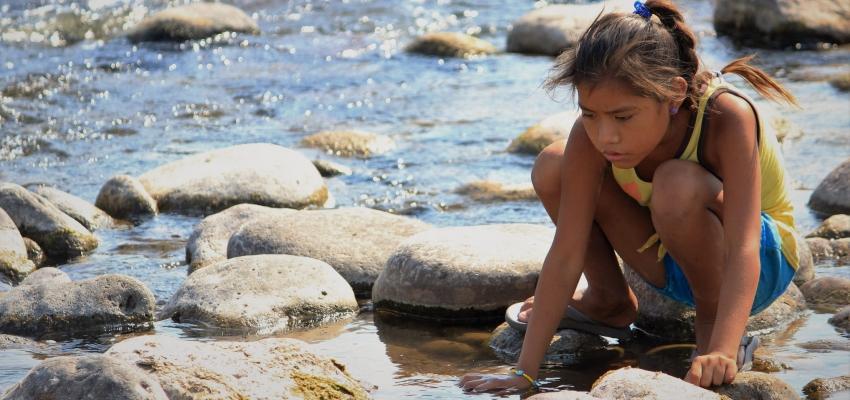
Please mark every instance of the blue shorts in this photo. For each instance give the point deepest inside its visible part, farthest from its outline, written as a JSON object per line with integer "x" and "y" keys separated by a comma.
{"x": 775, "y": 276}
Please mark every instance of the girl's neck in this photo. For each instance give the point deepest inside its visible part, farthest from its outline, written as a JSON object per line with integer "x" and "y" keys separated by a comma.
{"x": 675, "y": 139}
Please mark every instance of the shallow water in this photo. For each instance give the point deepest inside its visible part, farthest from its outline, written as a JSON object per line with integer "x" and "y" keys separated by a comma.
{"x": 80, "y": 104}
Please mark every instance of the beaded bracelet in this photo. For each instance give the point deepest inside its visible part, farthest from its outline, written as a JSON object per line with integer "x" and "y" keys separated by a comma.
{"x": 519, "y": 372}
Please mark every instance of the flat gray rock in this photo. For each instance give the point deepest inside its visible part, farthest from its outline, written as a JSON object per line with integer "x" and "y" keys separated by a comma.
{"x": 14, "y": 264}
{"x": 54, "y": 306}
{"x": 777, "y": 22}
{"x": 827, "y": 292}
{"x": 58, "y": 234}
{"x": 355, "y": 241}
{"x": 635, "y": 383}
{"x": 350, "y": 143}
{"x": 82, "y": 211}
{"x": 191, "y": 22}
{"x": 273, "y": 368}
{"x": 834, "y": 227}
{"x": 463, "y": 273}
{"x": 258, "y": 173}
{"x": 208, "y": 242}
{"x": 832, "y": 196}
{"x": 124, "y": 197}
{"x": 263, "y": 294}
{"x": 567, "y": 347}
{"x": 93, "y": 376}
{"x": 757, "y": 385}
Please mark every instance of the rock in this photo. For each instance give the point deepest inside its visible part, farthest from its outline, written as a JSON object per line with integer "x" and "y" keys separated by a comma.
{"x": 34, "y": 252}
{"x": 463, "y": 273}
{"x": 106, "y": 303}
{"x": 825, "y": 388}
{"x": 17, "y": 342}
{"x": 14, "y": 264}
{"x": 567, "y": 347}
{"x": 208, "y": 243}
{"x": 273, "y": 368}
{"x": 356, "y": 242}
{"x": 821, "y": 250}
{"x": 552, "y": 29}
{"x": 757, "y": 386}
{"x": 263, "y": 294}
{"x": 489, "y": 191}
{"x": 124, "y": 197}
{"x": 58, "y": 234}
{"x": 93, "y": 376}
{"x": 834, "y": 227}
{"x": 450, "y": 44}
{"x": 841, "y": 82}
{"x": 832, "y": 196}
{"x": 349, "y": 143}
{"x": 826, "y": 345}
{"x": 45, "y": 276}
{"x": 841, "y": 250}
{"x": 82, "y": 211}
{"x": 806, "y": 268}
{"x": 191, "y": 22}
{"x": 827, "y": 292}
{"x": 329, "y": 168}
{"x": 538, "y": 136}
{"x": 563, "y": 395}
{"x": 841, "y": 319}
{"x": 259, "y": 173}
{"x": 783, "y": 23}
{"x": 634, "y": 383}
{"x": 780, "y": 313}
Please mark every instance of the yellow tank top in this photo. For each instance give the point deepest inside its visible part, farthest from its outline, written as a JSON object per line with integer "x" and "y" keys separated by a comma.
{"x": 774, "y": 196}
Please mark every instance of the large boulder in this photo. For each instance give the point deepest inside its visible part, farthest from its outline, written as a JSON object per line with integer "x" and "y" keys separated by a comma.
{"x": 552, "y": 29}
{"x": 51, "y": 305}
{"x": 567, "y": 347}
{"x": 783, "y": 22}
{"x": 827, "y": 292}
{"x": 550, "y": 130}
{"x": 834, "y": 227}
{"x": 634, "y": 383}
{"x": 93, "y": 376}
{"x": 207, "y": 244}
{"x": 14, "y": 264}
{"x": 463, "y": 273}
{"x": 757, "y": 386}
{"x": 59, "y": 235}
{"x": 450, "y": 44}
{"x": 832, "y": 196}
{"x": 273, "y": 368}
{"x": 355, "y": 241}
{"x": 123, "y": 196}
{"x": 828, "y": 388}
{"x": 82, "y": 211}
{"x": 262, "y": 294}
{"x": 349, "y": 143}
{"x": 192, "y": 21}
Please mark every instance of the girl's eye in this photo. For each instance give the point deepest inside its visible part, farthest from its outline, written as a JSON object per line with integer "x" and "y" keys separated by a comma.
{"x": 586, "y": 115}
{"x": 624, "y": 118}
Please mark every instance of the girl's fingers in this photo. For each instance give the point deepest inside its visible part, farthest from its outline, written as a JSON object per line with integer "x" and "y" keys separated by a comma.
{"x": 474, "y": 384}
{"x": 719, "y": 373}
{"x": 730, "y": 373}
{"x": 695, "y": 373}
{"x": 468, "y": 377}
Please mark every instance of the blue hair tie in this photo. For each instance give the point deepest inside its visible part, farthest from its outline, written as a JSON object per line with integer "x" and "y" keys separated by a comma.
{"x": 642, "y": 10}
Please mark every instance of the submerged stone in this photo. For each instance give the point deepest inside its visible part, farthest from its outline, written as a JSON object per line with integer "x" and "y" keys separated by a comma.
{"x": 450, "y": 44}
{"x": 567, "y": 347}
{"x": 191, "y": 22}
{"x": 550, "y": 130}
{"x": 490, "y": 191}
{"x": 350, "y": 143}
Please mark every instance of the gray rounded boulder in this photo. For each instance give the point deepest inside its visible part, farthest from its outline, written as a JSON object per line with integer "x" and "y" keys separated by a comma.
{"x": 262, "y": 294}
{"x": 192, "y": 21}
{"x": 827, "y": 292}
{"x": 349, "y": 143}
{"x": 92, "y": 376}
{"x": 832, "y": 196}
{"x": 567, "y": 347}
{"x": 59, "y": 235}
{"x": 14, "y": 263}
{"x": 356, "y": 242}
{"x": 124, "y": 197}
{"x": 450, "y": 44}
{"x": 80, "y": 210}
{"x": 463, "y": 273}
{"x": 778, "y": 22}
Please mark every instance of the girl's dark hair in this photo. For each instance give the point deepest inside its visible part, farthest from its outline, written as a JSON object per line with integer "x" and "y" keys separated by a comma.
{"x": 648, "y": 54}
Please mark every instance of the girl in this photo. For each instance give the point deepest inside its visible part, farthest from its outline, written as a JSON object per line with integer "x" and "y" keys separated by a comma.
{"x": 666, "y": 151}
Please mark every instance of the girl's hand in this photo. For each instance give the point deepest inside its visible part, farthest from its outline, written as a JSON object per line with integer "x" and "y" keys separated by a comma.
{"x": 504, "y": 383}
{"x": 712, "y": 369}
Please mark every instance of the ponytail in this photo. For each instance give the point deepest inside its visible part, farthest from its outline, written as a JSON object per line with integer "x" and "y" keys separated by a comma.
{"x": 760, "y": 80}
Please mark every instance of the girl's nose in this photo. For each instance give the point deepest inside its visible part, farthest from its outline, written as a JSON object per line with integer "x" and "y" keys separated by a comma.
{"x": 608, "y": 134}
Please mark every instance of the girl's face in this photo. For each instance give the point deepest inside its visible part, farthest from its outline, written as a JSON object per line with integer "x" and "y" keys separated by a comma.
{"x": 622, "y": 125}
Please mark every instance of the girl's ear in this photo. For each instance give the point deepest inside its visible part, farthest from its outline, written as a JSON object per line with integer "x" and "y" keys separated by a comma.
{"x": 680, "y": 86}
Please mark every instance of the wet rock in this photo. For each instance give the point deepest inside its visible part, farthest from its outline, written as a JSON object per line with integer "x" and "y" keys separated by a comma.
{"x": 14, "y": 264}
{"x": 841, "y": 319}
{"x": 193, "y": 21}
{"x": 259, "y": 173}
{"x": 82, "y": 211}
{"x": 563, "y": 395}
{"x": 356, "y": 242}
{"x": 124, "y": 197}
{"x": 103, "y": 304}
{"x": 768, "y": 365}
{"x": 92, "y": 376}
{"x": 538, "y": 136}
{"x": 489, "y": 191}
{"x": 841, "y": 82}
{"x": 832, "y": 196}
{"x": 17, "y": 342}
{"x": 827, "y": 292}
{"x": 757, "y": 386}
{"x": 349, "y": 143}
{"x": 827, "y": 388}
{"x": 806, "y": 268}
{"x": 567, "y": 347}
{"x": 58, "y": 234}
{"x": 552, "y": 29}
{"x": 273, "y": 368}
{"x": 634, "y": 383}
{"x": 826, "y": 345}
{"x": 834, "y": 227}
{"x": 841, "y": 251}
{"x": 463, "y": 273}
{"x": 46, "y": 276}
{"x": 450, "y": 44}
{"x": 208, "y": 242}
{"x": 780, "y": 23}
{"x": 821, "y": 250}
{"x": 329, "y": 168}
{"x": 263, "y": 294}
{"x": 34, "y": 252}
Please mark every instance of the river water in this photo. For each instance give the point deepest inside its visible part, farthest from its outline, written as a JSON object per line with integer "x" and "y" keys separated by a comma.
{"x": 81, "y": 104}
